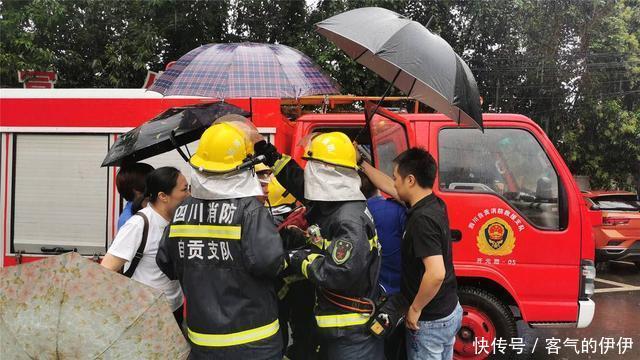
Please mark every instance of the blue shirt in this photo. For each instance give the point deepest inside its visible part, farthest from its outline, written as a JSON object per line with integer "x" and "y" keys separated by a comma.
{"x": 389, "y": 217}
{"x": 126, "y": 214}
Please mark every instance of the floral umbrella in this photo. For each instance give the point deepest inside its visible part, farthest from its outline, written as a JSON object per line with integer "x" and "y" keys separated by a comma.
{"x": 68, "y": 307}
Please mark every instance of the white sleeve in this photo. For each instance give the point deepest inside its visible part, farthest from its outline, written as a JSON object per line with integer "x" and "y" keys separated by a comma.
{"x": 128, "y": 239}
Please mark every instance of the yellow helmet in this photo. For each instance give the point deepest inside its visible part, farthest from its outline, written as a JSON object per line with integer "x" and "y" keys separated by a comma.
{"x": 262, "y": 167}
{"x": 222, "y": 148}
{"x": 278, "y": 195}
{"x": 332, "y": 148}
{"x": 264, "y": 173}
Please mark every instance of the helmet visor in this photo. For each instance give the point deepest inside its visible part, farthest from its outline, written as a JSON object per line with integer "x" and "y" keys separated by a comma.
{"x": 306, "y": 140}
{"x": 243, "y": 124}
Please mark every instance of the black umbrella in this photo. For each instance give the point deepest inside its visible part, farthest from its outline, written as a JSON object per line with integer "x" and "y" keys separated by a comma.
{"x": 173, "y": 128}
{"x": 405, "y": 53}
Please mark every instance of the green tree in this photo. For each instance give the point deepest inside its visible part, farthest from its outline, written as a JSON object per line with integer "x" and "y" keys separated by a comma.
{"x": 103, "y": 43}
{"x": 354, "y": 78}
{"x": 605, "y": 140}
{"x": 18, "y": 48}
{"x": 185, "y": 25}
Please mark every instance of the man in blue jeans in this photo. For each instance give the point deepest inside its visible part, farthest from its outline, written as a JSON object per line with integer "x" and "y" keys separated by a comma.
{"x": 428, "y": 279}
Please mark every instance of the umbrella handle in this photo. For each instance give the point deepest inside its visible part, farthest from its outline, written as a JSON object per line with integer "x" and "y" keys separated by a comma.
{"x": 172, "y": 137}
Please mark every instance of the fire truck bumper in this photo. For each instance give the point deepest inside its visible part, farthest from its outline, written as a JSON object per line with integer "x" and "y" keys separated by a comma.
{"x": 586, "y": 312}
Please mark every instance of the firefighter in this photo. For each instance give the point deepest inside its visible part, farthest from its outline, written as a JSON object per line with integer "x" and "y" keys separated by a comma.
{"x": 226, "y": 252}
{"x": 280, "y": 201}
{"x": 263, "y": 172}
{"x": 296, "y": 294}
{"x": 345, "y": 262}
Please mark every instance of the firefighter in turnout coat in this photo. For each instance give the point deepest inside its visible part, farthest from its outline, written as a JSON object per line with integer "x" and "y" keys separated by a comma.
{"x": 226, "y": 252}
{"x": 345, "y": 258}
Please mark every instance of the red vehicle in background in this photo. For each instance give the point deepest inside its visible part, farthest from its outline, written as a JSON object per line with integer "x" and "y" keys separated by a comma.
{"x": 616, "y": 225}
{"x": 523, "y": 244}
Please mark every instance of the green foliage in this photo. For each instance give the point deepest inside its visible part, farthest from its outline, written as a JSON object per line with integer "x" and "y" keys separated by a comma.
{"x": 571, "y": 65}
{"x": 103, "y": 43}
{"x": 605, "y": 116}
{"x": 18, "y": 43}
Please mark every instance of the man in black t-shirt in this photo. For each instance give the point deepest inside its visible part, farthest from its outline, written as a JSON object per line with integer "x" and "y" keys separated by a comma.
{"x": 428, "y": 279}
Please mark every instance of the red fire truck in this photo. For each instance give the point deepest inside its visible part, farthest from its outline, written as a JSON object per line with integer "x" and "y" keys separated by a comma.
{"x": 523, "y": 245}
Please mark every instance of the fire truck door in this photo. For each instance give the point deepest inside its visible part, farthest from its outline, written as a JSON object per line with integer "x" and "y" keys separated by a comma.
{"x": 391, "y": 134}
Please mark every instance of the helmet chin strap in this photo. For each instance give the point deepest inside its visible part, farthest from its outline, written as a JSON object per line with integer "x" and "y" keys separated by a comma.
{"x": 270, "y": 209}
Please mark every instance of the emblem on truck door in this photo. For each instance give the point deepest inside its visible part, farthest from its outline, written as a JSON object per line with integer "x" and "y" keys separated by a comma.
{"x": 496, "y": 237}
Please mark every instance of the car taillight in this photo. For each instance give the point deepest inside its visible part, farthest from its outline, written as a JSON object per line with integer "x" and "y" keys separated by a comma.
{"x": 615, "y": 220}
{"x": 587, "y": 279}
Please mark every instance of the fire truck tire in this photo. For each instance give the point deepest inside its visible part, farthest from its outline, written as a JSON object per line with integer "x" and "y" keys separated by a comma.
{"x": 489, "y": 316}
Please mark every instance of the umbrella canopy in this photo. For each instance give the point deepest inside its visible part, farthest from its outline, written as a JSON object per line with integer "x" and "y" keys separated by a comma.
{"x": 244, "y": 70}
{"x": 68, "y": 307}
{"x": 405, "y": 53}
{"x": 154, "y": 136}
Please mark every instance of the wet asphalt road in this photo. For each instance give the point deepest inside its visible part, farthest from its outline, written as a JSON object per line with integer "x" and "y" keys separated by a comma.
{"x": 617, "y": 316}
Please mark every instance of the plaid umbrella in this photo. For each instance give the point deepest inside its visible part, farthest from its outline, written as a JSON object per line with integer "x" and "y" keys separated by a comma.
{"x": 243, "y": 70}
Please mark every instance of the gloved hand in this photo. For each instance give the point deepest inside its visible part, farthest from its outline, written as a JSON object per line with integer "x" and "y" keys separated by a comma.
{"x": 315, "y": 236}
{"x": 296, "y": 257}
{"x": 293, "y": 237}
{"x": 269, "y": 151}
{"x": 296, "y": 218}
{"x": 362, "y": 154}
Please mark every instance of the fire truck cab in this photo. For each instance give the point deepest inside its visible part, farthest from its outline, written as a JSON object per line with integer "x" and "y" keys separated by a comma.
{"x": 523, "y": 245}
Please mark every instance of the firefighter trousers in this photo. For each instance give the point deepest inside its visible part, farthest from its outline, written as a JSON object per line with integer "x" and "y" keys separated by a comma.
{"x": 352, "y": 348}
{"x": 296, "y": 309}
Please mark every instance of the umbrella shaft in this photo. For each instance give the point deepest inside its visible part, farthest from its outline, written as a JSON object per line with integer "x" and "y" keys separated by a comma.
{"x": 366, "y": 125}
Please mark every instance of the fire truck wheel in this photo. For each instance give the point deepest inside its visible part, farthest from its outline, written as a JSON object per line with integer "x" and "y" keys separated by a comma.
{"x": 484, "y": 317}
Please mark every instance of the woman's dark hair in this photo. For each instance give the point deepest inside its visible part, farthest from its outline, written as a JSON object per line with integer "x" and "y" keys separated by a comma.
{"x": 419, "y": 163}
{"x": 162, "y": 179}
{"x": 131, "y": 177}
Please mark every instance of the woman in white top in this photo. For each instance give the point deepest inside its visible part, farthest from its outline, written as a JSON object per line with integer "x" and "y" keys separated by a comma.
{"x": 166, "y": 187}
